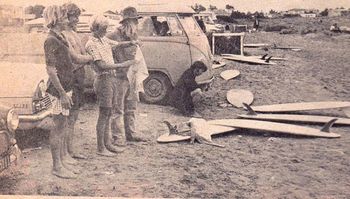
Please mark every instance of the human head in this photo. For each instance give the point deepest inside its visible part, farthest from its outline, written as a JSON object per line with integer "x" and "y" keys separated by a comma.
{"x": 198, "y": 68}
{"x": 73, "y": 13}
{"x": 55, "y": 17}
{"x": 99, "y": 25}
{"x": 130, "y": 15}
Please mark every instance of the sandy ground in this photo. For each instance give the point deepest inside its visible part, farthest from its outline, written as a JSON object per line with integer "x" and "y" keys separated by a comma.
{"x": 252, "y": 165}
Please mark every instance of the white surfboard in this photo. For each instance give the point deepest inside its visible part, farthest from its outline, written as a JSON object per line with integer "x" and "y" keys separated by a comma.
{"x": 229, "y": 74}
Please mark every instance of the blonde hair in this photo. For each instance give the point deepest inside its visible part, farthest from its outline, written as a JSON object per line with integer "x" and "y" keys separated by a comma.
{"x": 53, "y": 14}
{"x": 98, "y": 21}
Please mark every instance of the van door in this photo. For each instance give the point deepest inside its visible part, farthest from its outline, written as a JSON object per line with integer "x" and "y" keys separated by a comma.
{"x": 199, "y": 45}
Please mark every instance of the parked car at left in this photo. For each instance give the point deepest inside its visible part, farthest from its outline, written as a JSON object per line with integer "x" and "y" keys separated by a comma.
{"x": 23, "y": 87}
{"x": 9, "y": 151}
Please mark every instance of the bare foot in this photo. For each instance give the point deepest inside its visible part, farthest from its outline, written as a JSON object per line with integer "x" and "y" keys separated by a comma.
{"x": 114, "y": 149}
{"x": 79, "y": 156}
{"x": 64, "y": 173}
{"x": 106, "y": 153}
{"x": 69, "y": 160}
{"x": 73, "y": 169}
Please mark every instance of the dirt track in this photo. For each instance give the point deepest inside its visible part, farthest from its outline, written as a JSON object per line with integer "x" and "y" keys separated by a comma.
{"x": 252, "y": 165}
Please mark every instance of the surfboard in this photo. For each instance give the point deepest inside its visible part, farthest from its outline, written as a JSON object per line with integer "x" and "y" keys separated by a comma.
{"x": 279, "y": 127}
{"x": 218, "y": 64}
{"x": 229, "y": 74}
{"x": 237, "y": 97}
{"x": 292, "y": 117}
{"x": 209, "y": 130}
{"x": 266, "y": 56}
{"x": 262, "y": 57}
{"x": 302, "y": 106}
{"x": 257, "y": 45}
{"x": 247, "y": 59}
{"x": 293, "y": 48}
{"x": 347, "y": 111}
{"x": 318, "y": 119}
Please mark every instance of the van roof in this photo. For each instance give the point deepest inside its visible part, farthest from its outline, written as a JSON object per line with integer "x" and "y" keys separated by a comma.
{"x": 162, "y": 8}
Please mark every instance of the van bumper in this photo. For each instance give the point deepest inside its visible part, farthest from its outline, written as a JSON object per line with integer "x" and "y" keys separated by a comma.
{"x": 27, "y": 122}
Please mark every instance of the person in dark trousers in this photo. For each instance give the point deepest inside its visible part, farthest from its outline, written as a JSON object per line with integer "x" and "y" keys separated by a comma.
{"x": 180, "y": 97}
{"x": 123, "y": 123}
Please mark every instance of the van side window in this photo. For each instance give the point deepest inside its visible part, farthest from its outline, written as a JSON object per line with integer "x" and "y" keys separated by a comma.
{"x": 190, "y": 25}
{"x": 159, "y": 26}
{"x": 175, "y": 28}
{"x": 146, "y": 27}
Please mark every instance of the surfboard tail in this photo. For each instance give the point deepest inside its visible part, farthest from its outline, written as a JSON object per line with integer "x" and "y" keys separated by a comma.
{"x": 264, "y": 56}
{"x": 268, "y": 59}
{"x": 249, "y": 108}
{"x": 327, "y": 127}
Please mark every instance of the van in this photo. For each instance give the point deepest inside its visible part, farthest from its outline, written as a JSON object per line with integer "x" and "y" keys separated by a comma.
{"x": 171, "y": 42}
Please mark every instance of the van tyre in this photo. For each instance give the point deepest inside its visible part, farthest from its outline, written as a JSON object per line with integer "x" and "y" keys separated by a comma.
{"x": 156, "y": 86}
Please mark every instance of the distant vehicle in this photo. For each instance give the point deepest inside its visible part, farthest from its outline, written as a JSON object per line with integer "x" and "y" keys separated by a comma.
{"x": 9, "y": 151}
{"x": 209, "y": 21}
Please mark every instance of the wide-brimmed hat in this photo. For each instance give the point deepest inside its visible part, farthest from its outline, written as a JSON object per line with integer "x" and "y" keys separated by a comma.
{"x": 130, "y": 13}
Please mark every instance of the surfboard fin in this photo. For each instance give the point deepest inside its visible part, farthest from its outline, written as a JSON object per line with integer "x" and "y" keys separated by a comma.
{"x": 268, "y": 59}
{"x": 264, "y": 56}
{"x": 172, "y": 128}
{"x": 326, "y": 128}
{"x": 250, "y": 110}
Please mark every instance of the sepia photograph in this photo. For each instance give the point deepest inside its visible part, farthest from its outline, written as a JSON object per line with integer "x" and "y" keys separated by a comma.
{"x": 174, "y": 99}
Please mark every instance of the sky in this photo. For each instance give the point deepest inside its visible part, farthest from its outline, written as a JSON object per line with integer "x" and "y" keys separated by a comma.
{"x": 241, "y": 5}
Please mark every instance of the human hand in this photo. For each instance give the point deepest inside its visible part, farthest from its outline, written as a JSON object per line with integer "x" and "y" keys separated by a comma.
{"x": 66, "y": 101}
{"x": 136, "y": 42}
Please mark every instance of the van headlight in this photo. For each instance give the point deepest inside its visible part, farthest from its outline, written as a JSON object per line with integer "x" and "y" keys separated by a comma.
{"x": 8, "y": 119}
{"x": 12, "y": 120}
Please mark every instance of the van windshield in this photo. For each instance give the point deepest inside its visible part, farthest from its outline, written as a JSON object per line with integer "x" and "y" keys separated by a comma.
{"x": 190, "y": 25}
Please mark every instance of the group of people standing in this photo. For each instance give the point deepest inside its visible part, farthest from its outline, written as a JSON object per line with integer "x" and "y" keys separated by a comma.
{"x": 120, "y": 70}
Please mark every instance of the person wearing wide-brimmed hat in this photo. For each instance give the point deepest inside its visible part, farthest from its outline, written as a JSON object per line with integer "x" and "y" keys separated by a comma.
{"x": 129, "y": 81}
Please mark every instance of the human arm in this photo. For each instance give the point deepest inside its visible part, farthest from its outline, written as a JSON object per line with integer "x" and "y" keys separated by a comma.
{"x": 104, "y": 66}
{"x": 80, "y": 58}
{"x": 121, "y": 44}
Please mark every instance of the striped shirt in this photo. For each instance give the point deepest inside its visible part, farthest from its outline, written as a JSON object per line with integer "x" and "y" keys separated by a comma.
{"x": 101, "y": 50}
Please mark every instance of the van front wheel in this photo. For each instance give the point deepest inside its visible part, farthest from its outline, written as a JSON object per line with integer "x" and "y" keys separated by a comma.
{"x": 156, "y": 86}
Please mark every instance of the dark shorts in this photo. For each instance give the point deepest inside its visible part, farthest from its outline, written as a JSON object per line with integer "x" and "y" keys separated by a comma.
{"x": 78, "y": 88}
{"x": 105, "y": 88}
